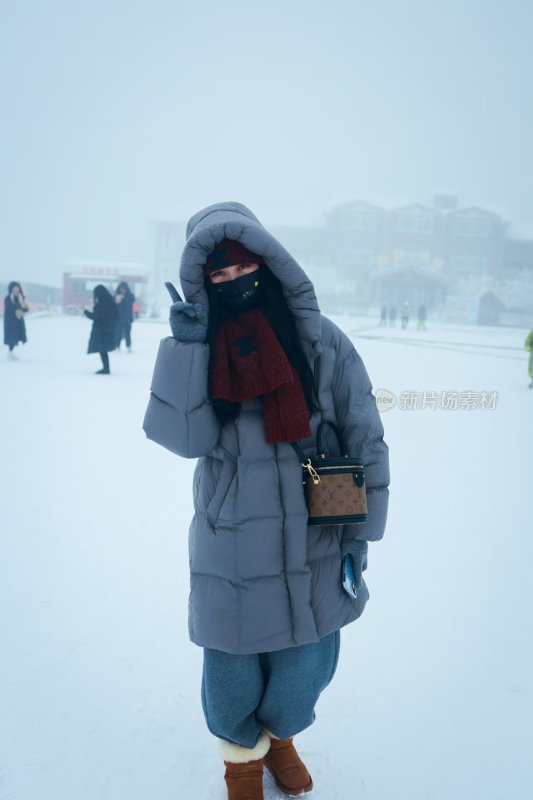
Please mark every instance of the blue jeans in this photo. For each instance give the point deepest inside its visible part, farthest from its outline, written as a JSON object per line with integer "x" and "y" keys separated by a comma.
{"x": 278, "y": 691}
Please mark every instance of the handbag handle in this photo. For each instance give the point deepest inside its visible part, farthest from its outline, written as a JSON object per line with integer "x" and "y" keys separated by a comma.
{"x": 320, "y": 438}
{"x": 319, "y": 441}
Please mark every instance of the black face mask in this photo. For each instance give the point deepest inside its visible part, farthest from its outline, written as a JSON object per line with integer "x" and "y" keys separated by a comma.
{"x": 240, "y": 294}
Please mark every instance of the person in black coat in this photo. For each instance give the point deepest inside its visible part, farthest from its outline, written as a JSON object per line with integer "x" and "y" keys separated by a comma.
{"x": 124, "y": 298}
{"x": 105, "y": 329}
{"x": 15, "y": 307}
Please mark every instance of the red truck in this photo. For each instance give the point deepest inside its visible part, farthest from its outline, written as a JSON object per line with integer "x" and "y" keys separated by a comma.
{"x": 80, "y": 280}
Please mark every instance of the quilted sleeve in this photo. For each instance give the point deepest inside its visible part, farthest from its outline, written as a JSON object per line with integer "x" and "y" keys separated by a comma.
{"x": 179, "y": 415}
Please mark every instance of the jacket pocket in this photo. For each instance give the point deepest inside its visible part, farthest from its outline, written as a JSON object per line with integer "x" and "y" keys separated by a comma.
{"x": 227, "y": 474}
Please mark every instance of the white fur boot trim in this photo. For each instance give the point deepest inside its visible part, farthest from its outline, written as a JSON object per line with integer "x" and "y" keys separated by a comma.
{"x": 237, "y": 754}
{"x": 270, "y": 734}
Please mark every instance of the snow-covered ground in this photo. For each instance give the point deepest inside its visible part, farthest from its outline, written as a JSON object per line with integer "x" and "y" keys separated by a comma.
{"x": 99, "y": 682}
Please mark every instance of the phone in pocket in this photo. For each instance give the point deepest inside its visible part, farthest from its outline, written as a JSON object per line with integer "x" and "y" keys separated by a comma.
{"x": 348, "y": 576}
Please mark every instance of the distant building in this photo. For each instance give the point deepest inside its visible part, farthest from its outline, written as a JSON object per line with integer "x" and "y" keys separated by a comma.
{"x": 442, "y": 237}
{"x": 415, "y": 252}
{"x": 474, "y": 242}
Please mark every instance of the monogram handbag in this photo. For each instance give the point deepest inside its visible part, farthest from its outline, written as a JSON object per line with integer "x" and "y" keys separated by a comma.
{"x": 334, "y": 487}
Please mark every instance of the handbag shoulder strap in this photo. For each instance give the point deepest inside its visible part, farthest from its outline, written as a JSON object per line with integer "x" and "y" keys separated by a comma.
{"x": 299, "y": 452}
{"x": 305, "y": 461}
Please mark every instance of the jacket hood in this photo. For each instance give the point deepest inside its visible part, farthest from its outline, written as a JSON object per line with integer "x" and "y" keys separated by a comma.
{"x": 234, "y": 221}
{"x": 101, "y": 294}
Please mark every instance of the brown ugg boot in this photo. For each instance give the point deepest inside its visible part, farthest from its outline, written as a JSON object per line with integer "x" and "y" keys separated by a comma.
{"x": 287, "y": 768}
{"x": 244, "y": 781}
{"x": 244, "y": 768}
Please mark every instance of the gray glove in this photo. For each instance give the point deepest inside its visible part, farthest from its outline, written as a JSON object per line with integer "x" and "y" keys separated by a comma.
{"x": 188, "y": 321}
{"x": 360, "y": 563}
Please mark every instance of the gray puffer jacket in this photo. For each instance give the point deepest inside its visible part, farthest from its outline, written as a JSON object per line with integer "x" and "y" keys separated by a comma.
{"x": 261, "y": 579}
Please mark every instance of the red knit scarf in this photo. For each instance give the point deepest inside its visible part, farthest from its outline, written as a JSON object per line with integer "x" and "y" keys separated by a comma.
{"x": 248, "y": 362}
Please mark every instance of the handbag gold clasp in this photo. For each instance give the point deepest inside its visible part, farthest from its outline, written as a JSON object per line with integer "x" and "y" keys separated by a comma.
{"x": 312, "y": 471}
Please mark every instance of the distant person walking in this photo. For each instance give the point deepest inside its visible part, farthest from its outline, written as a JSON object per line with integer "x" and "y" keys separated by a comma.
{"x": 392, "y": 317}
{"x": 105, "y": 330}
{"x": 405, "y": 315}
{"x": 421, "y": 318}
{"x": 383, "y": 317}
{"x": 125, "y": 300}
{"x": 528, "y": 345}
{"x": 15, "y": 308}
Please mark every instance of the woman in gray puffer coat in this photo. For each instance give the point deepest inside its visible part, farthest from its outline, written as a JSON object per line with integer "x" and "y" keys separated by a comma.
{"x": 252, "y": 366}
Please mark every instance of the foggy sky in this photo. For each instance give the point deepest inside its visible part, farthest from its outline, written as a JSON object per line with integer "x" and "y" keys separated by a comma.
{"x": 117, "y": 112}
